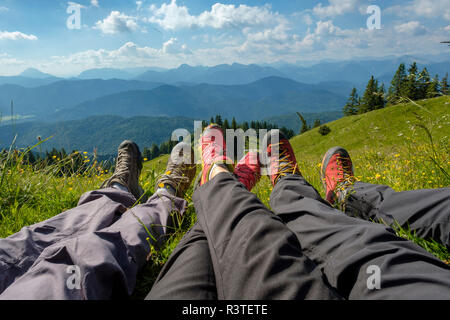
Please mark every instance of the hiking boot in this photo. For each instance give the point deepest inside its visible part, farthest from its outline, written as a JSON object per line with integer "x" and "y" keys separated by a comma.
{"x": 128, "y": 169}
{"x": 180, "y": 170}
{"x": 213, "y": 150}
{"x": 337, "y": 174}
{"x": 280, "y": 155}
{"x": 248, "y": 170}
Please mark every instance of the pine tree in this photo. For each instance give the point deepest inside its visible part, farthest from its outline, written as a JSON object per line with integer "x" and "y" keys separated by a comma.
{"x": 433, "y": 88}
{"x": 154, "y": 150}
{"x": 352, "y": 105}
{"x": 444, "y": 85}
{"x": 233, "y": 124}
{"x": 218, "y": 120}
{"x": 397, "y": 89}
{"x": 423, "y": 82}
{"x": 211, "y": 120}
{"x": 411, "y": 85}
{"x": 370, "y": 99}
{"x": 226, "y": 125}
{"x": 316, "y": 123}
{"x": 381, "y": 100}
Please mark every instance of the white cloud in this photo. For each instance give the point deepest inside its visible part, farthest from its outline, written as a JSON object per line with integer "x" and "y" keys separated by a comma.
{"x": 172, "y": 16}
{"x": 139, "y": 5}
{"x": 16, "y": 35}
{"x": 94, "y": 3}
{"x": 335, "y": 8}
{"x": 422, "y": 8}
{"x": 117, "y": 22}
{"x": 447, "y": 28}
{"x": 172, "y": 47}
{"x": 4, "y": 9}
{"x": 411, "y": 28}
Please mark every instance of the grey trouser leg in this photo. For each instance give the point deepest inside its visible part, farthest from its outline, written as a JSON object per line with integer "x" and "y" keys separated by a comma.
{"x": 345, "y": 248}
{"x": 253, "y": 254}
{"x": 188, "y": 274}
{"x": 93, "y": 251}
{"x": 426, "y": 212}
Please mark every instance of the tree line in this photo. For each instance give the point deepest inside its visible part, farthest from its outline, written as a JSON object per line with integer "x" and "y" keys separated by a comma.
{"x": 155, "y": 150}
{"x": 405, "y": 85}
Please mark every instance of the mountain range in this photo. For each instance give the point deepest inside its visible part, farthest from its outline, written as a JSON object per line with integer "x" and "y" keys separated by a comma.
{"x": 101, "y": 107}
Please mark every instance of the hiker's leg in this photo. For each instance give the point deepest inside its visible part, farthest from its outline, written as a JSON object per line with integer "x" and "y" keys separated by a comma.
{"x": 94, "y": 250}
{"x": 95, "y": 210}
{"x": 346, "y": 248}
{"x": 425, "y": 212}
{"x": 188, "y": 274}
{"x": 254, "y": 254}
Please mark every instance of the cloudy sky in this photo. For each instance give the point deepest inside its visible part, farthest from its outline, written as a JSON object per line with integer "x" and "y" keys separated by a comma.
{"x": 45, "y": 34}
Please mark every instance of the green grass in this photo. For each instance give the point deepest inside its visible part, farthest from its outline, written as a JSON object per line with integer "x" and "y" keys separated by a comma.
{"x": 404, "y": 146}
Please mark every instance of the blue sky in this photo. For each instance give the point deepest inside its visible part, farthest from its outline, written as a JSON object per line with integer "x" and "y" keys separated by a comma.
{"x": 167, "y": 33}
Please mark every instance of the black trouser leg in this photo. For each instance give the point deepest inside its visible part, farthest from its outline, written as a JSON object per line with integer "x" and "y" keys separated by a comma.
{"x": 425, "y": 212}
{"x": 254, "y": 254}
{"x": 346, "y": 248}
{"x": 188, "y": 273}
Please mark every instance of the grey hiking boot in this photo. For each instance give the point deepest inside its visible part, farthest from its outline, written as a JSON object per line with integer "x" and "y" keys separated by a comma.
{"x": 180, "y": 170}
{"x": 128, "y": 169}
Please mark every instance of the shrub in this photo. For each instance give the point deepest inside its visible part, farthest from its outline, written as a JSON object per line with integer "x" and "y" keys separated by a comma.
{"x": 324, "y": 130}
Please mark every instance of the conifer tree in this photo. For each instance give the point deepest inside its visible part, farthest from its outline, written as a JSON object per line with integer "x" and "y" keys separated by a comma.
{"x": 226, "y": 125}
{"x": 411, "y": 85}
{"x": 423, "y": 82}
{"x": 234, "y": 124}
{"x": 370, "y": 99}
{"x": 444, "y": 85}
{"x": 397, "y": 88}
{"x": 433, "y": 88}
{"x": 352, "y": 105}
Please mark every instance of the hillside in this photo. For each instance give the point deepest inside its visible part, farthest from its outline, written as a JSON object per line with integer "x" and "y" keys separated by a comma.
{"x": 380, "y": 143}
{"x": 388, "y": 146}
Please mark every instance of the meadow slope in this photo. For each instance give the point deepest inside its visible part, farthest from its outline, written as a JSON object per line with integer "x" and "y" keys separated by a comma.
{"x": 405, "y": 146}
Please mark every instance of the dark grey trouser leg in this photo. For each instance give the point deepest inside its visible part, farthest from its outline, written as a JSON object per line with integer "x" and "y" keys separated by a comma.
{"x": 254, "y": 254}
{"x": 188, "y": 274}
{"x": 345, "y": 247}
{"x": 92, "y": 251}
{"x": 426, "y": 212}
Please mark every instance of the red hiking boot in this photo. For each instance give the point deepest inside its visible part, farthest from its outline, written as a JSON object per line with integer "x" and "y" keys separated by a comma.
{"x": 281, "y": 158}
{"x": 248, "y": 170}
{"x": 337, "y": 174}
{"x": 212, "y": 144}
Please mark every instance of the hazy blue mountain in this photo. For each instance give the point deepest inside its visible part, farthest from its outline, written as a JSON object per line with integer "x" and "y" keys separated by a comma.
{"x": 102, "y": 132}
{"x": 220, "y": 74}
{"x": 44, "y": 100}
{"x": 105, "y": 74}
{"x": 35, "y": 73}
{"x": 27, "y": 82}
{"x": 257, "y": 100}
{"x": 359, "y": 72}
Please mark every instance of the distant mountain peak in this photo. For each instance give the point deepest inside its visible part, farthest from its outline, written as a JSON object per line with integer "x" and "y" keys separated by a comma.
{"x": 35, "y": 73}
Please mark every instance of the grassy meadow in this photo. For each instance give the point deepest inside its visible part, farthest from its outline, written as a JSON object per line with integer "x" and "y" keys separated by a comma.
{"x": 404, "y": 146}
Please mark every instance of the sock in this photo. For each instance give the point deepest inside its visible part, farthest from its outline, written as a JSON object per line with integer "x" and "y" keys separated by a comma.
{"x": 167, "y": 188}
{"x": 120, "y": 187}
